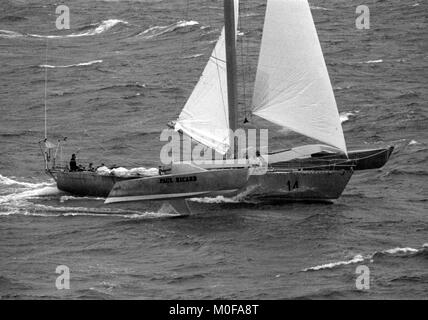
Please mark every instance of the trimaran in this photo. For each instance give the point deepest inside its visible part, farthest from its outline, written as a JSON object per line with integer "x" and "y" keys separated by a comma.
{"x": 292, "y": 90}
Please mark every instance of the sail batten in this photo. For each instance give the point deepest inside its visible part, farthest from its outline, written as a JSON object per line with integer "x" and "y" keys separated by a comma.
{"x": 292, "y": 87}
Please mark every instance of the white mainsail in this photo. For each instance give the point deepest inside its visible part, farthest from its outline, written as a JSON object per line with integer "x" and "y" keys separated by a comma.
{"x": 292, "y": 87}
{"x": 205, "y": 117}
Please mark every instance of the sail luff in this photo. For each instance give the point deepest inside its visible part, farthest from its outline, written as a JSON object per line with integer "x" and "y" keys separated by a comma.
{"x": 292, "y": 87}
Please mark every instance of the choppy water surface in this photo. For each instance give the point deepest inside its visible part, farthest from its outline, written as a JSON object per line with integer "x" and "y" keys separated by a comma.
{"x": 121, "y": 73}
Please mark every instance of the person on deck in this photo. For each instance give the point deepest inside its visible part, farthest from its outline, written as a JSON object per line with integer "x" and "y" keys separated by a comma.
{"x": 258, "y": 165}
{"x": 261, "y": 161}
{"x": 257, "y": 161}
{"x": 73, "y": 163}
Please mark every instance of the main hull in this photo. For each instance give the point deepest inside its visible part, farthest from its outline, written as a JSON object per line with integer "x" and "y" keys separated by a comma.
{"x": 272, "y": 185}
{"x": 176, "y": 186}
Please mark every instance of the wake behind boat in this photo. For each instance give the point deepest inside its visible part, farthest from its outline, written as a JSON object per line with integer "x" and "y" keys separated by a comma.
{"x": 292, "y": 90}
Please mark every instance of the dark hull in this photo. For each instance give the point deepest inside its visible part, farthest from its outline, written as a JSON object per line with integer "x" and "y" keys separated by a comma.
{"x": 357, "y": 160}
{"x": 288, "y": 186}
{"x": 298, "y": 185}
{"x": 180, "y": 186}
{"x": 86, "y": 183}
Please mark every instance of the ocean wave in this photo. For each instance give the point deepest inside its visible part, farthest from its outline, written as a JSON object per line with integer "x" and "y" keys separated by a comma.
{"x": 91, "y": 30}
{"x": 11, "y": 182}
{"x": 29, "y": 194}
{"x": 373, "y": 61}
{"x": 419, "y": 173}
{"x": 93, "y": 294}
{"x": 17, "y": 201}
{"x": 15, "y": 194}
{"x": 45, "y": 211}
{"x": 82, "y": 64}
{"x": 394, "y": 252}
{"x": 10, "y": 34}
{"x": 193, "y": 56}
{"x": 319, "y": 8}
{"x": 12, "y": 18}
{"x": 358, "y": 258}
{"x": 401, "y": 252}
{"x": 156, "y": 31}
{"x": 413, "y": 142}
{"x": 345, "y": 116}
{"x": 120, "y": 87}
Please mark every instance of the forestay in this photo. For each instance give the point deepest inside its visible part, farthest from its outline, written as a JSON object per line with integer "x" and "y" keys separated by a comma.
{"x": 205, "y": 117}
{"x": 292, "y": 87}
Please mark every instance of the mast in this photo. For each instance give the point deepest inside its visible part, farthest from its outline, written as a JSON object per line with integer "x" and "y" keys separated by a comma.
{"x": 46, "y": 89}
{"x": 231, "y": 66}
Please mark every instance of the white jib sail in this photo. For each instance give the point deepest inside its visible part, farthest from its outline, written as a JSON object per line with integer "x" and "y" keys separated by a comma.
{"x": 292, "y": 87}
{"x": 205, "y": 117}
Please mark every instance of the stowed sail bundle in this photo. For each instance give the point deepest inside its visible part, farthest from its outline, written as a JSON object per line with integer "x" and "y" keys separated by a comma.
{"x": 292, "y": 86}
{"x": 205, "y": 117}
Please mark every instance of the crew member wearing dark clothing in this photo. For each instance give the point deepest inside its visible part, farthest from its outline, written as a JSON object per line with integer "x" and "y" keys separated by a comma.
{"x": 73, "y": 163}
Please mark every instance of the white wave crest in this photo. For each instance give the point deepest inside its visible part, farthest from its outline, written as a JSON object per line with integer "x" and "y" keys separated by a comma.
{"x": 100, "y": 28}
{"x": 358, "y": 258}
{"x": 40, "y": 210}
{"x": 400, "y": 251}
{"x": 319, "y": 8}
{"x": 374, "y": 61}
{"x": 11, "y": 182}
{"x": 413, "y": 142}
{"x": 82, "y": 64}
{"x": 10, "y": 34}
{"x": 156, "y": 31}
{"x": 344, "y": 116}
{"x": 193, "y": 56}
{"x": 29, "y": 194}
